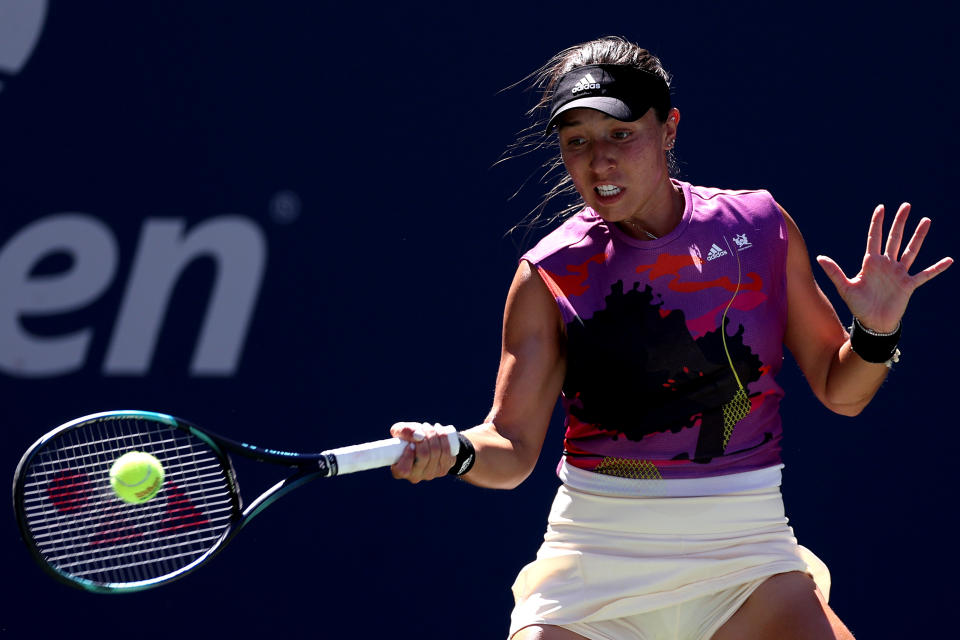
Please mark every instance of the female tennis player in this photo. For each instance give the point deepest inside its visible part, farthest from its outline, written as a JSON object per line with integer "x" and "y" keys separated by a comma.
{"x": 659, "y": 312}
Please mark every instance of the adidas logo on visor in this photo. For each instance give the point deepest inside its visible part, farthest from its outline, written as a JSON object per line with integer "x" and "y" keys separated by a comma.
{"x": 585, "y": 83}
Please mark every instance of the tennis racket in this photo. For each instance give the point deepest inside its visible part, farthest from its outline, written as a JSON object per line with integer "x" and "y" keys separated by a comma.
{"x": 80, "y": 532}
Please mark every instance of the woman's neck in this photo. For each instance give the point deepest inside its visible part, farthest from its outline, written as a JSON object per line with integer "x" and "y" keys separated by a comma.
{"x": 662, "y": 218}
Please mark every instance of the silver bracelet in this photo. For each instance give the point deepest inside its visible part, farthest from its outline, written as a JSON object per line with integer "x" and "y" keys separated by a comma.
{"x": 878, "y": 333}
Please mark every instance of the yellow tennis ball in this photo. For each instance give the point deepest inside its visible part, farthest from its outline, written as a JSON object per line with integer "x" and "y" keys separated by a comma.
{"x": 136, "y": 477}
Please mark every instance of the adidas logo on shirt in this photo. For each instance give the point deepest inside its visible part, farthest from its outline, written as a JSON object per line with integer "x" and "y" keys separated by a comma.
{"x": 715, "y": 252}
{"x": 585, "y": 83}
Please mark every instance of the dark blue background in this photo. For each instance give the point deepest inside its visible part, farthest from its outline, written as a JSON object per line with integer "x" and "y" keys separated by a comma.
{"x": 383, "y": 298}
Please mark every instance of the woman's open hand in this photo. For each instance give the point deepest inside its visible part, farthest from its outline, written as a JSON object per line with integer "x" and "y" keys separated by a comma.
{"x": 879, "y": 293}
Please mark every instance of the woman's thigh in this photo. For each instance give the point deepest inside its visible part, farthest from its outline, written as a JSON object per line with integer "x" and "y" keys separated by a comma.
{"x": 784, "y": 607}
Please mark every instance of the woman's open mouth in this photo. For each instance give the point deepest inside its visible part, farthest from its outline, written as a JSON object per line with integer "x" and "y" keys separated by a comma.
{"x": 608, "y": 192}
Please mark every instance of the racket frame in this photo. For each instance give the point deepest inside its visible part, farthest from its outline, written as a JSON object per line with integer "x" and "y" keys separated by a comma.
{"x": 309, "y": 467}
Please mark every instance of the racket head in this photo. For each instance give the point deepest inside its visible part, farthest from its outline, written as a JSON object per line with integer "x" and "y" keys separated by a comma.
{"x": 82, "y": 534}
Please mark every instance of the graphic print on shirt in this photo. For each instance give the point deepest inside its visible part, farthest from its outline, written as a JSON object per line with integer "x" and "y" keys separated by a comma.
{"x": 673, "y": 346}
{"x": 636, "y": 368}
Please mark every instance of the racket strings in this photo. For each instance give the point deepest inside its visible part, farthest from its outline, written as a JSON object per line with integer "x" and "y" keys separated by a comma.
{"x": 83, "y": 530}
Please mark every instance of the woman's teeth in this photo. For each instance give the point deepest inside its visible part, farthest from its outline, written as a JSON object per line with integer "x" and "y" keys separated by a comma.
{"x": 607, "y": 190}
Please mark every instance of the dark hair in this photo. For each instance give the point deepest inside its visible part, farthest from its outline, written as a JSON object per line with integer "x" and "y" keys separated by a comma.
{"x": 606, "y": 50}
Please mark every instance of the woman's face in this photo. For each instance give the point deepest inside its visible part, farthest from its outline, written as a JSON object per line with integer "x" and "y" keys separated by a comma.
{"x": 619, "y": 168}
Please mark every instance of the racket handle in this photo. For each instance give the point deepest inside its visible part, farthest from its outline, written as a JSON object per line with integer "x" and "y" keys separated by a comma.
{"x": 382, "y": 453}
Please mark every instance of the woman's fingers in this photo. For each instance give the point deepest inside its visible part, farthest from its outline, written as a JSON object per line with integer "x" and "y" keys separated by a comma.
{"x": 435, "y": 450}
{"x": 895, "y": 237}
{"x": 875, "y": 232}
{"x": 913, "y": 248}
{"x": 932, "y": 271}
{"x": 916, "y": 241}
{"x": 409, "y": 432}
{"x": 428, "y": 455}
{"x": 834, "y": 272}
{"x": 404, "y": 465}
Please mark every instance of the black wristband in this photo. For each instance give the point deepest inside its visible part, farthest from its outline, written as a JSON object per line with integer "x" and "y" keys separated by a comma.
{"x": 465, "y": 457}
{"x": 873, "y": 346}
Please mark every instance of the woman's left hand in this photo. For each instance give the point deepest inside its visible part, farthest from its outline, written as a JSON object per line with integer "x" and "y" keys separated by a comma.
{"x": 879, "y": 293}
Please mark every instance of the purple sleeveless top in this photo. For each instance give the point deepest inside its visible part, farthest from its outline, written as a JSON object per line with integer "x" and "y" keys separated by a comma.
{"x": 672, "y": 344}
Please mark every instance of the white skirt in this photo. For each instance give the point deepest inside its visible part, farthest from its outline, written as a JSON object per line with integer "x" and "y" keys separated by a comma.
{"x": 607, "y": 556}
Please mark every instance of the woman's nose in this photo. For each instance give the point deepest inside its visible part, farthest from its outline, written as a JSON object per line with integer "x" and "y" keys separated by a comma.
{"x": 603, "y": 157}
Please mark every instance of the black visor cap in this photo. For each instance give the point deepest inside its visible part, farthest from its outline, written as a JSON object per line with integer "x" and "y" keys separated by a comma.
{"x": 620, "y": 91}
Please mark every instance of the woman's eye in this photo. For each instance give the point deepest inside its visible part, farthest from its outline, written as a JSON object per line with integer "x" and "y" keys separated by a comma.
{"x": 576, "y": 142}
{"x": 621, "y": 135}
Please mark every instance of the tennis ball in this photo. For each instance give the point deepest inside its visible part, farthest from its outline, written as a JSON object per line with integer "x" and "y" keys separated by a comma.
{"x": 136, "y": 477}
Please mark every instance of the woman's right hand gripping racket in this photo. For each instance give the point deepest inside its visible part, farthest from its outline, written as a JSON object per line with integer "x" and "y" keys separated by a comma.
{"x": 82, "y": 533}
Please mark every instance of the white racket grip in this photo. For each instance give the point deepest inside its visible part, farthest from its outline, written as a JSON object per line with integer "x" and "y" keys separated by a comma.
{"x": 381, "y": 453}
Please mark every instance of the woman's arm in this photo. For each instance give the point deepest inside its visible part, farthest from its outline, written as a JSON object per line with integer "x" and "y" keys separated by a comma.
{"x": 531, "y": 374}
{"x": 877, "y": 296}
